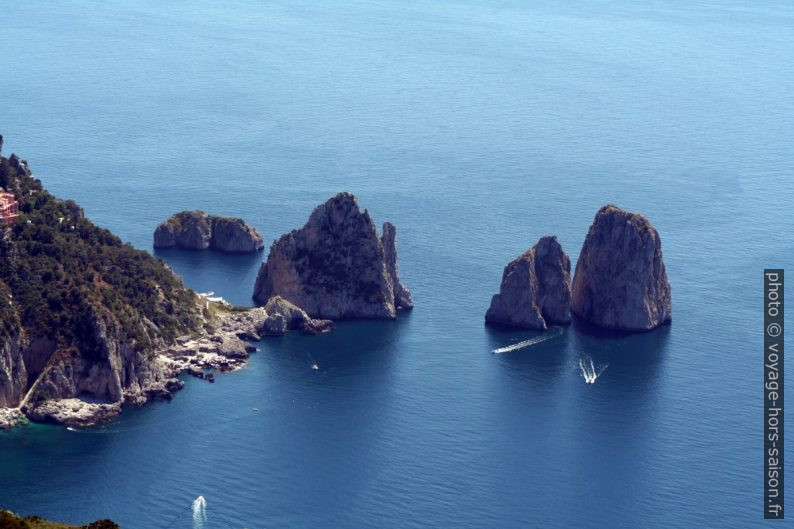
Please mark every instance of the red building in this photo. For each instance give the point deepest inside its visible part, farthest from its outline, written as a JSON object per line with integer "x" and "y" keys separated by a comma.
{"x": 9, "y": 209}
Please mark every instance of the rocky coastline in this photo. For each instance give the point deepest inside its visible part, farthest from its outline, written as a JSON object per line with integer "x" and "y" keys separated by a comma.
{"x": 127, "y": 327}
{"x": 225, "y": 345}
{"x": 89, "y": 324}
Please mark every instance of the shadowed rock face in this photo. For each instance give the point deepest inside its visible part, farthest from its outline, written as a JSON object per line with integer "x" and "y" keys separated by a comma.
{"x": 195, "y": 230}
{"x": 620, "y": 281}
{"x": 13, "y": 375}
{"x": 402, "y": 296}
{"x": 336, "y": 266}
{"x": 535, "y": 290}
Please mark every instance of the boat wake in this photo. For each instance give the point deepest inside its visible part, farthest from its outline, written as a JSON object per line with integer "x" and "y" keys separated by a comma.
{"x": 199, "y": 512}
{"x": 590, "y": 371}
{"x": 548, "y": 335}
{"x": 314, "y": 365}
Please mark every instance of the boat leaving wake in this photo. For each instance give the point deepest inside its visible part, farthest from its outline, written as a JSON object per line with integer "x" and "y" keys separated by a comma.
{"x": 548, "y": 335}
{"x": 199, "y": 512}
{"x": 590, "y": 372}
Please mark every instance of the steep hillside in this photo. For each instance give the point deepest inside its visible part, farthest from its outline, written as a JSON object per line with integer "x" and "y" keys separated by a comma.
{"x": 81, "y": 313}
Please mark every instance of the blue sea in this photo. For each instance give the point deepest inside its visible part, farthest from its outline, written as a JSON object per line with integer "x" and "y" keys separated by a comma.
{"x": 477, "y": 128}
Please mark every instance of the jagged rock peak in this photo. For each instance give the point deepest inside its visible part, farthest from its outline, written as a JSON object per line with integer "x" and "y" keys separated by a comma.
{"x": 402, "y": 296}
{"x": 196, "y": 230}
{"x": 535, "y": 290}
{"x": 336, "y": 266}
{"x": 620, "y": 281}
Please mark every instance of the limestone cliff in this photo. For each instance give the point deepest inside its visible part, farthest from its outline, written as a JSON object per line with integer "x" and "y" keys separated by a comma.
{"x": 536, "y": 289}
{"x": 195, "y": 230}
{"x": 620, "y": 280}
{"x": 111, "y": 372}
{"x": 336, "y": 266}
{"x": 13, "y": 375}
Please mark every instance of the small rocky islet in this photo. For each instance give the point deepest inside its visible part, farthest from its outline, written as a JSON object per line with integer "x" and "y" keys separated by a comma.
{"x": 196, "y": 230}
{"x": 620, "y": 282}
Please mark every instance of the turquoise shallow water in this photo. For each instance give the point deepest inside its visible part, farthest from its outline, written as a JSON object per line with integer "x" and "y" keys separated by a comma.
{"x": 476, "y": 129}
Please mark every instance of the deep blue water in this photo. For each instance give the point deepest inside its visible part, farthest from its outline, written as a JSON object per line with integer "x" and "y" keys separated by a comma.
{"x": 476, "y": 128}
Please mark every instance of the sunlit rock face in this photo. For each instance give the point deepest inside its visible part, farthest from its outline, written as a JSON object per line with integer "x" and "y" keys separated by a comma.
{"x": 196, "y": 230}
{"x": 536, "y": 289}
{"x": 336, "y": 266}
{"x": 620, "y": 281}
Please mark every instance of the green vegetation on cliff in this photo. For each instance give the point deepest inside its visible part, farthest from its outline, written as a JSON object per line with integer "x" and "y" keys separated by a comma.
{"x": 58, "y": 271}
{"x": 9, "y": 520}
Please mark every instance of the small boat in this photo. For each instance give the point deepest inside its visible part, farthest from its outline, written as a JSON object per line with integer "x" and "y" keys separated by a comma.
{"x": 315, "y": 367}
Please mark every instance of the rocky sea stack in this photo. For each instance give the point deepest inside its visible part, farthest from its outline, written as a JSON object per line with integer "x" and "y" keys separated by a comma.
{"x": 535, "y": 290}
{"x": 196, "y": 230}
{"x": 620, "y": 281}
{"x": 336, "y": 266}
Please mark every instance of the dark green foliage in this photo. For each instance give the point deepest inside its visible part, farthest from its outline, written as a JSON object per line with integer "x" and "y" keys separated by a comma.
{"x": 178, "y": 220}
{"x": 102, "y": 524}
{"x": 9, "y": 520}
{"x": 65, "y": 273}
{"x": 9, "y": 319}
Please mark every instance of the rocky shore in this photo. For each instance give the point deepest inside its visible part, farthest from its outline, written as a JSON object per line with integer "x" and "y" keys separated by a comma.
{"x": 223, "y": 346}
{"x": 196, "y": 230}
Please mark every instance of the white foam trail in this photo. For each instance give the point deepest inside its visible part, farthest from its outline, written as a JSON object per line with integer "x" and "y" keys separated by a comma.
{"x": 552, "y": 333}
{"x": 590, "y": 372}
{"x": 199, "y": 512}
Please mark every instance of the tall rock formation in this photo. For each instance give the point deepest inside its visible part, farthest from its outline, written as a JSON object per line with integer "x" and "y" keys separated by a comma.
{"x": 402, "y": 296}
{"x": 535, "y": 290}
{"x": 620, "y": 281}
{"x": 195, "y": 230}
{"x": 336, "y": 267}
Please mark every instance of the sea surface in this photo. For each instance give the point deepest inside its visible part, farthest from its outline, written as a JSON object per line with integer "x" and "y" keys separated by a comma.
{"x": 477, "y": 128}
